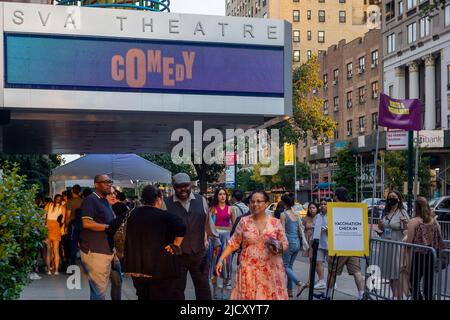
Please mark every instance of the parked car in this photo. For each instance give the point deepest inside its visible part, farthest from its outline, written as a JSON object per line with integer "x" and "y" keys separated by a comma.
{"x": 298, "y": 208}
{"x": 271, "y": 208}
{"x": 441, "y": 207}
{"x": 378, "y": 204}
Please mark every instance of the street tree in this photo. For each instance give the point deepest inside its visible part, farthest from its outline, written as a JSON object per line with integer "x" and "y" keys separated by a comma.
{"x": 308, "y": 117}
{"x": 36, "y": 168}
{"x": 345, "y": 174}
{"x": 396, "y": 171}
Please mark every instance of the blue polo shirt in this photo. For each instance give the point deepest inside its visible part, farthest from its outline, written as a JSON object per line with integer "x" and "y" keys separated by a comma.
{"x": 96, "y": 208}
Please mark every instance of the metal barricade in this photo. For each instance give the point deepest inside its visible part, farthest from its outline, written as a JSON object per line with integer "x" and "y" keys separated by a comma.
{"x": 442, "y": 283}
{"x": 400, "y": 270}
{"x": 445, "y": 229}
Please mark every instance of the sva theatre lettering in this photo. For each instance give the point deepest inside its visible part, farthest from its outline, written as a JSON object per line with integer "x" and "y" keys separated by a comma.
{"x": 137, "y": 66}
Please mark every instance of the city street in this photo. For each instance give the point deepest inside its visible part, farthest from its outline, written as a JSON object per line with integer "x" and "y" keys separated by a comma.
{"x": 55, "y": 288}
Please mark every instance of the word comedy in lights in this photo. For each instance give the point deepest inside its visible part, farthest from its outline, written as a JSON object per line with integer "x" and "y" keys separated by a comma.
{"x": 348, "y": 229}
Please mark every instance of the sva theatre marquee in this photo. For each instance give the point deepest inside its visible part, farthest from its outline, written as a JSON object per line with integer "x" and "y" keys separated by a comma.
{"x": 63, "y": 57}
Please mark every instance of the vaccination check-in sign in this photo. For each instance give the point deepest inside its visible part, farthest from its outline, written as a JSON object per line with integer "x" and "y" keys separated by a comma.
{"x": 348, "y": 233}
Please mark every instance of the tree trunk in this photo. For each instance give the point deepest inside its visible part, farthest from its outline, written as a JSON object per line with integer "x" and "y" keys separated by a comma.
{"x": 201, "y": 175}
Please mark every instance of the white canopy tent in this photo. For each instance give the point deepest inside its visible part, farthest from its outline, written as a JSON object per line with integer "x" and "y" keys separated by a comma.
{"x": 127, "y": 170}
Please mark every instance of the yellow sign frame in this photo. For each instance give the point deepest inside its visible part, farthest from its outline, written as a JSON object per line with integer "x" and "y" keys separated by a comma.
{"x": 348, "y": 253}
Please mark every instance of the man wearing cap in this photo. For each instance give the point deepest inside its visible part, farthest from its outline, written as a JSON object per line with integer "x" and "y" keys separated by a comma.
{"x": 193, "y": 209}
{"x": 96, "y": 252}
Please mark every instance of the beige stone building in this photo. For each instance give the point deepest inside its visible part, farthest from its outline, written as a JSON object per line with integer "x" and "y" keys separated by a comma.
{"x": 316, "y": 24}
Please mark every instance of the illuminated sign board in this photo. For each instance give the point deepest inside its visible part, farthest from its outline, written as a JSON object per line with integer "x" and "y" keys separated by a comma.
{"x": 91, "y": 63}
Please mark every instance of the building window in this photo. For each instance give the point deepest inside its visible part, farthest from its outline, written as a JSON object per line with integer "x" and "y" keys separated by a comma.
{"x": 325, "y": 80}
{"x": 349, "y": 99}
{"x": 374, "y": 120}
{"x": 362, "y": 125}
{"x": 322, "y": 1}
{"x": 374, "y": 59}
{"x": 319, "y": 52}
{"x": 361, "y": 64}
{"x": 308, "y": 14}
{"x": 296, "y": 15}
{"x": 325, "y": 107}
{"x": 296, "y": 36}
{"x": 412, "y": 32}
{"x": 341, "y": 1}
{"x": 336, "y": 104}
{"x": 390, "y": 10}
{"x": 265, "y": 15}
{"x": 447, "y": 15}
{"x": 321, "y": 36}
{"x": 448, "y": 78}
{"x": 375, "y": 90}
{"x": 336, "y": 132}
{"x": 309, "y": 54}
{"x": 349, "y": 70}
{"x": 410, "y": 4}
{"x": 335, "y": 76}
{"x": 308, "y": 35}
{"x": 424, "y": 24}
{"x": 321, "y": 15}
{"x": 349, "y": 128}
{"x": 400, "y": 8}
{"x": 391, "y": 43}
{"x": 296, "y": 0}
{"x": 361, "y": 95}
{"x": 296, "y": 55}
{"x": 391, "y": 90}
{"x": 342, "y": 17}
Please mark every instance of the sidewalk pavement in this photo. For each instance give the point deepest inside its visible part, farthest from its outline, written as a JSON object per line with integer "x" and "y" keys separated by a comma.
{"x": 55, "y": 287}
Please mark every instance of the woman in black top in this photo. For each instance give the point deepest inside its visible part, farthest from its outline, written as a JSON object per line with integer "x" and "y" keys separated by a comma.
{"x": 153, "y": 236}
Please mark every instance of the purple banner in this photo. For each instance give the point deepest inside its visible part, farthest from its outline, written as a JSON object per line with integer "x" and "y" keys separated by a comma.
{"x": 74, "y": 63}
{"x": 399, "y": 114}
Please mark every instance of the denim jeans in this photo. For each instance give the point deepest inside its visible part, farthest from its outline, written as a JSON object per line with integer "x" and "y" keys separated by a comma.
{"x": 288, "y": 261}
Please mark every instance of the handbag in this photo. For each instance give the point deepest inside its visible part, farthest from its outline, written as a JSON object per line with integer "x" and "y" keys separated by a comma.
{"x": 120, "y": 235}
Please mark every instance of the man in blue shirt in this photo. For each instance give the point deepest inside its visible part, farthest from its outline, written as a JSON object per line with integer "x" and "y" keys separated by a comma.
{"x": 96, "y": 252}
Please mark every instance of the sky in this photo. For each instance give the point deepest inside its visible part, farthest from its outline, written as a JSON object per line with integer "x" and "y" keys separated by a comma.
{"x": 210, "y": 7}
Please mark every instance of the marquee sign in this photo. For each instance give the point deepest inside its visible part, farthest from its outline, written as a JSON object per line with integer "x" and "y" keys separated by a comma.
{"x": 37, "y": 61}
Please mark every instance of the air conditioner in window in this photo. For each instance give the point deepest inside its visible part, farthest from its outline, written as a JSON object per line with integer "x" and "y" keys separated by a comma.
{"x": 335, "y": 82}
{"x": 325, "y": 86}
{"x": 325, "y": 112}
{"x": 362, "y": 100}
{"x": 360, "y": 70}
{"x": 362, "y": 129}
{"x": 349, "y": 75}
{"x": 314, "y": 91}
{"x": 349, "y": 133}
{"x": 349, "y": 104}
{"x": 375, "y": 95}
{"x": 336, "y": 109}
{"x": 373, "y": 65}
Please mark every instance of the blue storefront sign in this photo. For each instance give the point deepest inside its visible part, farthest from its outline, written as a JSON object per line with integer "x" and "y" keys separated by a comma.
{"x": 85, "y": 63}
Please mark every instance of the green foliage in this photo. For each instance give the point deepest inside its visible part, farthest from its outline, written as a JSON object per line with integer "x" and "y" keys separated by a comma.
{"x": 164, "y": 160}
{"x": 284, "y": 176}
{"x": 22, "y": 231}
{"x": 208, "y": 173}
{"x": 36, "y": 168}
{"x": 308, "y": 115}
{"x": 396, "y": 171}
{"x": 345, "y": 172}
{"x": 246, "y": 183}
{"x": 432, "y": 9}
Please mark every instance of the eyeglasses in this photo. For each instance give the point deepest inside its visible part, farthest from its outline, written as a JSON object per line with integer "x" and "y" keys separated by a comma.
{"x": 106, "y": 181}
{"x": 257, "y": 201}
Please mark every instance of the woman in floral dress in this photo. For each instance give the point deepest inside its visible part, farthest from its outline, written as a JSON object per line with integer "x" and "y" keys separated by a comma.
{"x": 261, "y": 274}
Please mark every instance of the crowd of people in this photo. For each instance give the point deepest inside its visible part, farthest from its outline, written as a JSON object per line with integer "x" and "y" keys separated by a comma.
{"x": 158, "y": 241}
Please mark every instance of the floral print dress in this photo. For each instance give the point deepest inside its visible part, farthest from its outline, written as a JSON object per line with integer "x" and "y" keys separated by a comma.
{"x": 261, "y": 274}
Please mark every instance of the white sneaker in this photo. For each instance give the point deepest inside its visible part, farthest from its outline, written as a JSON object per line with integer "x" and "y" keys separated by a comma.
{"x": 49, "y": 273}
{"x": 320, "y": 285}
{"x": 56, "y": 273}
{"x": 35, "y": 276}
